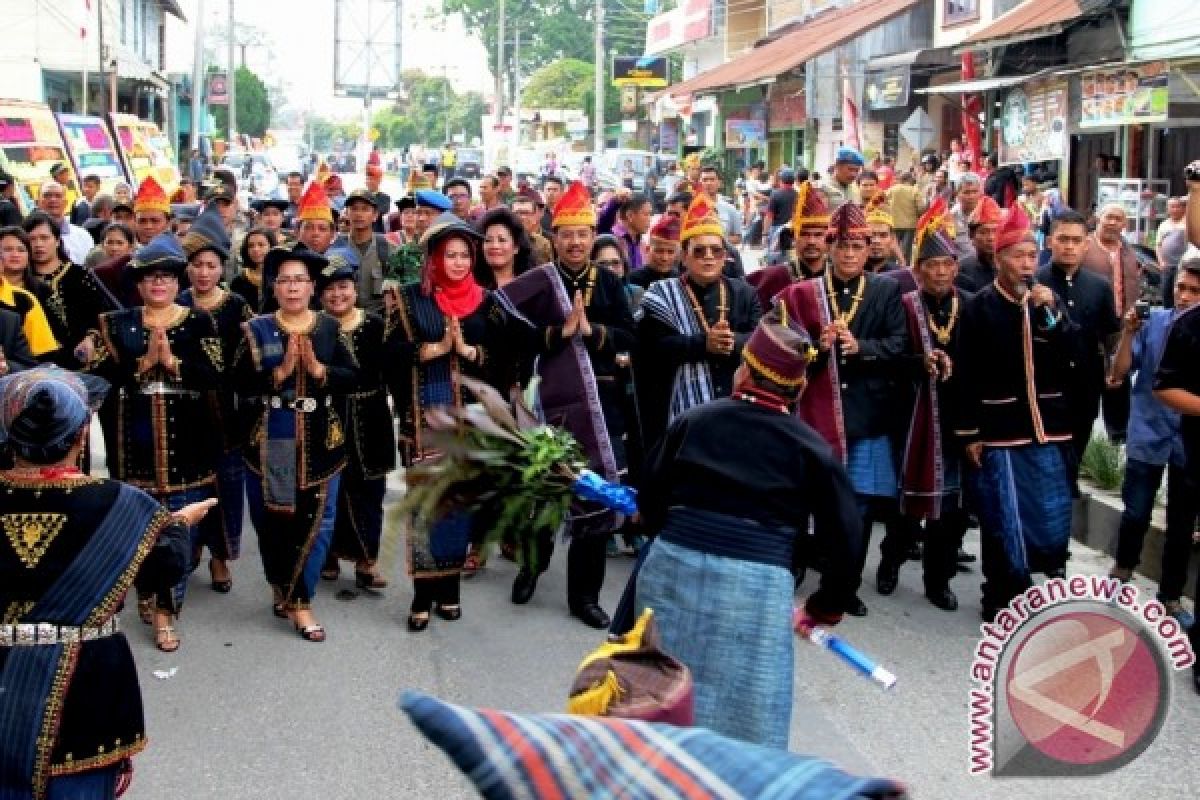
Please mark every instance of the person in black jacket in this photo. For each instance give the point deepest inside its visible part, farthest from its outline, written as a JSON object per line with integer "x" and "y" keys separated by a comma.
{"x": 14, "y": 349}
{"x": 10, "y": 214}
{"x": 1088, "y": 301}
{"x": 1014, "y": 421}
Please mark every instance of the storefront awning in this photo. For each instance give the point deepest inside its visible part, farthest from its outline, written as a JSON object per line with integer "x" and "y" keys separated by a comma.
{"x": 1031, "y": 20}
{"x": 822, "y": 33}
{"x": 938, "y": 56}
{"x": 980, "y": 85}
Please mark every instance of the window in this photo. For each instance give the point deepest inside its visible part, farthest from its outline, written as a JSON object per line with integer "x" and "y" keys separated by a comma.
{"x": 123, "y": 21}
{"x": 891, "y": 139}
{"x": 957, "y": 11}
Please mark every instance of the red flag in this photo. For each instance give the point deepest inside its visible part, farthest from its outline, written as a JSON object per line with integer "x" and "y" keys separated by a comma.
{"x": 851, "y": 135}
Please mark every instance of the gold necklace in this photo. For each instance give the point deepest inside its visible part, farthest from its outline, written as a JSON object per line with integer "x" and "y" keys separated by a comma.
{"x": 722, "y": 306}
{"x": 943, "y": 333}
{"x": 848, "y": 315}
{"x": 589, "y": 284}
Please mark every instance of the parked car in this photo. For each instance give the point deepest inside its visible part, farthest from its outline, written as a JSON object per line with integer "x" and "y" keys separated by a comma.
{"x": 470, "y": 163}
{"x": 254, "y": 171}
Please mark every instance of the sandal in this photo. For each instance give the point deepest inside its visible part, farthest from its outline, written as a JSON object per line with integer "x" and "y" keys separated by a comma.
{"x": 145, "y": 606}
{"x": 418, "y": 621}
{"x": 311, "y": 633}
{"x": 278, "y": 610}
{"x": 368, "y": 578}
{"x": 448, "y": 613}
{"x": 224, "y": 586}
{"x": 331, "y": 573}
{"x": 472, "y": 564}
{"x": 165, "y": 639}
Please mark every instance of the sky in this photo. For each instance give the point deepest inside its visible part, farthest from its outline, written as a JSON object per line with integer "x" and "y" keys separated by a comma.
{"x": 300, "y": 45}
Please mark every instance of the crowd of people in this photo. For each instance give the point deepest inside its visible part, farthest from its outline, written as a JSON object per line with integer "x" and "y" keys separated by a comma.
{"x": 911, "y": 359}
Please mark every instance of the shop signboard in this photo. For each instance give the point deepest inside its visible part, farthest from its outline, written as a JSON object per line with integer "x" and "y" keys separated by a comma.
{"x": 786, "y": 107}
{"x": 1033, "y": 123}
{"x": 887, "y": 88}
{"x": 745, "y": 132}
{"x": 218, "y": 89}
{"x": 689, "y": 21}
{"x": 644, "y": 72}
{"x": 1125, "y": 95}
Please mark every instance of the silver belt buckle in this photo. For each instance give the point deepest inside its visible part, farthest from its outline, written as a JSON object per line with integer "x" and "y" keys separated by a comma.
{"x": 275, "y": 402}
{"x": 306, "y": 405}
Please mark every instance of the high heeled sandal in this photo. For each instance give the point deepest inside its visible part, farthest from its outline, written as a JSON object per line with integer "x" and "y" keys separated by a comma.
{"x": 369, "y": 580}
{"x": 165, "y": 639}
{"x": 223, "y": 587}
{"x": 331, "y": 573}
{"x": 145, "y": 607}
{"x": 418, "y": 621}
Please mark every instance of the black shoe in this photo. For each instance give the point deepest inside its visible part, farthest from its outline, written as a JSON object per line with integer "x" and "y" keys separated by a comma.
{"x": 988, "y": 613}
{"x": 1196, "y": 681}
{"x": 856, "y": 608}
{"x": 886, "y": 577}
{"x": 943, "y": 598}
{"x": 915, "y": 551}
{"x": 591, "y": 615}
{"x": 523, "y": 587}
{"x": 418, "y": 622}
{"x": 1057, "y": 572}
{"x": 448, "y": 613}
{"x": 964, "y": 557}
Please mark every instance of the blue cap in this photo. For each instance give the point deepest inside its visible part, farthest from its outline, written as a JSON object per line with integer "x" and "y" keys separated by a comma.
{"x": 428, "y": 198}
{"x": 787, "y": 175}
{"x": 848, "y": 155}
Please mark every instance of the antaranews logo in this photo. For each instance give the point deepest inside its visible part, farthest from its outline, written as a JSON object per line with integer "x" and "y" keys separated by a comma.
{"x": 1072, "y": 678}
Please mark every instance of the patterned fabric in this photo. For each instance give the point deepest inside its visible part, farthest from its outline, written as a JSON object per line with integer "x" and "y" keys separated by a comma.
{"x": 692, "y": 384}
{"x": 558, "y": 756}
{"x": 869, "y": 464}
{"x": 729, "y": 621}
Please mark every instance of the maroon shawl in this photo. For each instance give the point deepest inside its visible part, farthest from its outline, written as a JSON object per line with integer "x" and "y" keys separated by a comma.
{"x": 922, "y": 473}
{"x": 806, "y": 305}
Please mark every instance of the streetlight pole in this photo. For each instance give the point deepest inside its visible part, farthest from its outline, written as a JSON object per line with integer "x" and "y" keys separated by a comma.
{"x": 197, "y": 74}
{"x": 601, "y": 72}
{"x": 232, "y": 84}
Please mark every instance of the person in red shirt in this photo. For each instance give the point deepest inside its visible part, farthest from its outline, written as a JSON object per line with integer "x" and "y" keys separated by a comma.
{"x": 886, "y": 173}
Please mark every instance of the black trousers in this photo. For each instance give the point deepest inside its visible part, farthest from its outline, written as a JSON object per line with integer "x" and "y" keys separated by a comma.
{"x": 943, "y": 539}
{"x": 586, "y": 562}
{"x": 442, "y": 590}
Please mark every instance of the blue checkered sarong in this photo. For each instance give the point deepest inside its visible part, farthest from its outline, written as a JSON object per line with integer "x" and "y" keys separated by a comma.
{"x": 871, "y": 468}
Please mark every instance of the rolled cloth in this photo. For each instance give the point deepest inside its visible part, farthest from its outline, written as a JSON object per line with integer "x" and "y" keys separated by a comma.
{"x": 42, "y": 408}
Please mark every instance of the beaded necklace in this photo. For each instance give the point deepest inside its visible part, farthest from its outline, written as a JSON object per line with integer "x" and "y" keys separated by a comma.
{"x": 722, "y": 304}
{"x": 848, "y": 315}
{"x": 586, "y": 282}
{"x": 943, "y": 332}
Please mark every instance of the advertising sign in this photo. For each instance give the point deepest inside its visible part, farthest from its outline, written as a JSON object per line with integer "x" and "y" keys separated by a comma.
{"x": 887, "y": 89}
{"x": 689, "y": 21}
{"x": 218, "y": 89}
{"x": 1128, "y": 95}
{"x": 645, "y": 72}
{"x": 145, "y": 151}
{"x": 92, "y": 149}
{"x": 30, "y": 143}
{"x": 1033, "y": 124}
{"x": 747, "y": 133}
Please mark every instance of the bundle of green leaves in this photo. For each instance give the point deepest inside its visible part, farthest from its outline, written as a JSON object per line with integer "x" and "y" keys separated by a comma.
{"x": 496, "y": 461}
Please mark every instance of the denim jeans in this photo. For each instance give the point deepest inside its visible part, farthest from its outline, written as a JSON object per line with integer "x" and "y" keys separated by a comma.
{"x": 1137, "y": 493}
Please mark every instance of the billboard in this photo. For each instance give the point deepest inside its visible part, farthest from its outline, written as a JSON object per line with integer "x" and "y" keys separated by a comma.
{"x": 218, "y": 89}
{"x": 1128, "y": 95}
{"x": 689, "y": 21}
{"x": 366, "y": 47}
{"x": 644, "y": 72}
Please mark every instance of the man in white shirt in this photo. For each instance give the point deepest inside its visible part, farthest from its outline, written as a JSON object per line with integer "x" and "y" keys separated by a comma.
{"x": 76, "y": 241}
{"x": 731, "y": 218}
{"x": 1176, "y": 211}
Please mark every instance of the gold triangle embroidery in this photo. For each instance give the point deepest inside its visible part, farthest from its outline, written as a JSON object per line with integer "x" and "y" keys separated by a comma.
{"x": 31, "y": 534}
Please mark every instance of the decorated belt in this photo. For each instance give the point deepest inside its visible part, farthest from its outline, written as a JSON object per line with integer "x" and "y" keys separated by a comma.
{"x": 363, "y": 395}
{"x": 158, "y": 387}
{"x": 306, "y": 405}
{"x": 25, "y": 633}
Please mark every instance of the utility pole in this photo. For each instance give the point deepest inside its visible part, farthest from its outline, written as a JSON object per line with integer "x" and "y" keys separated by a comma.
{"x": 197, "y": 74}
{"x": 601, "y": 73}
{"x": 517, "y": 88}
{"x": 232, "y": 83}
{"x": 500, "y": 70}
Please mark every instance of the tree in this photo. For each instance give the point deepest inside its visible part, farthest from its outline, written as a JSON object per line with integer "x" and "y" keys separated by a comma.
{"x": 563, "y": 84}
{"x": 253, "y": 105}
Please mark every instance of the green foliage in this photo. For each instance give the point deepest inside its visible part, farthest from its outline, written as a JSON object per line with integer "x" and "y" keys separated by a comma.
{"x": 1102, "y": 463}
{"x": 563, "y": 84}
{"x": 253, "y": 105}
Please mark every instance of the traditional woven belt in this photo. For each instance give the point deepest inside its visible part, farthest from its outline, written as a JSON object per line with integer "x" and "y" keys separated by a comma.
{"x": 305, "y": 405}
{"x": 363, "y": 395}
{"x": 24, "y": 633}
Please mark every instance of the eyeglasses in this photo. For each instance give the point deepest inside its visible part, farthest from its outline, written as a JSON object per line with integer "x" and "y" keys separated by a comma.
{"x": 293, "y": 280}
{"x": 609, "y": 263}
{"x": 160, "y": 277}
{"x": 707, "y": 250}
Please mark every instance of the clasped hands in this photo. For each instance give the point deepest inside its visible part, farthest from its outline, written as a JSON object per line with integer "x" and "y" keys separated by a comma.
{"x": 719, "y": 339}
{"x": 158, "y": 352}
{"x": 838, "y": 331}
{"x": 452, "y": 342}
{"x": 299, "y": 353}
{"x": 939, "y": 365}
{"x": 577, "y": 321}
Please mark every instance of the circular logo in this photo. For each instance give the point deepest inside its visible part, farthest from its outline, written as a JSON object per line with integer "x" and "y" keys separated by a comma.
{"x": 1087, "y": 690}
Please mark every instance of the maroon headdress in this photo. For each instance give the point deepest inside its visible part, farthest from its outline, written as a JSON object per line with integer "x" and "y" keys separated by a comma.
{"x": 849, "y": 222}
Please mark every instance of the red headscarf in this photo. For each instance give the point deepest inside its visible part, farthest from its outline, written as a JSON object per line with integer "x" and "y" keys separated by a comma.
{"x": 457, "y": 299}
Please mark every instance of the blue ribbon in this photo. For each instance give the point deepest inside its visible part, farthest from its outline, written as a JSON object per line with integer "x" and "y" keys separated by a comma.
{"x": 597, "y": 489}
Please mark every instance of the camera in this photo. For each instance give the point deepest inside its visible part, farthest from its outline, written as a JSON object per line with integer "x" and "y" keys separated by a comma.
{"x": 1142, "y": 309}
{"x": 1192, "y": 171}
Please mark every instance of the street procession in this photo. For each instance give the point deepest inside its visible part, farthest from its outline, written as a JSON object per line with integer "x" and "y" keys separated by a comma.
{"x": 599, "y": 399}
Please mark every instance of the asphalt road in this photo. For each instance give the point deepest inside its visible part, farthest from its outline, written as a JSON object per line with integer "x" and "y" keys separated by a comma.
{"x": 253, "y": 711}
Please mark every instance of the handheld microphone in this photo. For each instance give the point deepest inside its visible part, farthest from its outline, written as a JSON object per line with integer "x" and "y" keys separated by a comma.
{"x": 1050, "y": 320}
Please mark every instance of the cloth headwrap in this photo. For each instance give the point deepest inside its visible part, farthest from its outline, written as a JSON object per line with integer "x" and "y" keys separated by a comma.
{"x": 207, "y": 233}
{"x": 1014, "y": 229}
{"x": 810, "y": 210}
{"x": 986, "y": 213}
{"x": 936, "y": 219}
{"x": 42, "y": 408}
{"x": 457, "y": 299}
{"x": 878, "y": 212}
{"x": 314, "y": 203}
{"x": 333, "y": 184}
{"x": 666, "y": 229}
{"x": 778, "y": 352}
{"x": 574, "y": 207}
{"x": 848, "y": 222}
{"x": 374, "y": 171}
{"x": 163, "y": 253}
{"x": 339, "y": 268}
{"x": 700, "y": 220}
{"x": 151, "y": 197}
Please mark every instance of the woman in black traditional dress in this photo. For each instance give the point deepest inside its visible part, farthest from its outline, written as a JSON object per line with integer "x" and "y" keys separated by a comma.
{"x": 370, "y": 435}
{"x": 441, "y": 328}
{"x": 249, "y": 280}
{"x": 291, "y": 366}
{"x": 207, "y": 248}
{"x": 164, "y": 358}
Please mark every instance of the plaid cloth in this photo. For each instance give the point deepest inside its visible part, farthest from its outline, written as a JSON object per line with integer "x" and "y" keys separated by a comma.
{"x": 559, "y": 756}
